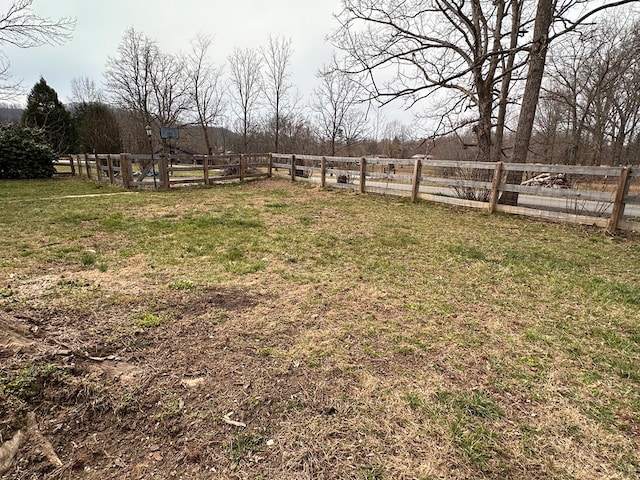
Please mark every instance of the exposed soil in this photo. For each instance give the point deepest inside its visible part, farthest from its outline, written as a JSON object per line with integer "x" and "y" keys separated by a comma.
{"x": 213, "y": 391}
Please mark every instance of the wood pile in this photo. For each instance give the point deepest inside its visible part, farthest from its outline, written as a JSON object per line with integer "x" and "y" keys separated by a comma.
{"x": 548, "y": 180}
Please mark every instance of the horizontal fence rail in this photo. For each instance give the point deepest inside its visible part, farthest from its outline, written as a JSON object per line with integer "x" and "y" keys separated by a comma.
{"x": 607, "y": 197}
{"x": 164, "y": 171}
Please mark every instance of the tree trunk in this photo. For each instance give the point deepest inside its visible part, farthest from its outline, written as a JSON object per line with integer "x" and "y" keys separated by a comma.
{"x": 207, "y": 140}
{"x": 537, "y": 60}
{"x": 506, "y": 82}
{"x": 483, "y": 127}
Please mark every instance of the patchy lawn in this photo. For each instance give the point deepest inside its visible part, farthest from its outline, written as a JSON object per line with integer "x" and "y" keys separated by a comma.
{"x": 278, "y": 331}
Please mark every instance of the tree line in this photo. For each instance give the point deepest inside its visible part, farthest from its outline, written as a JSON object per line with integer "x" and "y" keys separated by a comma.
{"x": 493, "y": 80}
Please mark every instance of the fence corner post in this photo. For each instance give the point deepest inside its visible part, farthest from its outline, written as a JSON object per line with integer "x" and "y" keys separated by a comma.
{"x": 618, "y": 203}
{"x": 125, "y": 170}
{"x": 417, "y": 172}
{"x": 164, "y": 172}
{"x": 495, "y": 187}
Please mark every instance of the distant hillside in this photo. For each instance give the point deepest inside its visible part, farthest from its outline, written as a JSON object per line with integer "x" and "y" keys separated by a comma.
{"x": 10, "y": 114}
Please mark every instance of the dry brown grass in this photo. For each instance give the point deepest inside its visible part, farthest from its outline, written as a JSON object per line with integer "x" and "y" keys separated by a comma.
{"x": 356, "y": 337}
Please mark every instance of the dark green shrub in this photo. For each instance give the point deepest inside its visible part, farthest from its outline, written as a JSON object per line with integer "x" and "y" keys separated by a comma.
{"x": 25, "y": 153}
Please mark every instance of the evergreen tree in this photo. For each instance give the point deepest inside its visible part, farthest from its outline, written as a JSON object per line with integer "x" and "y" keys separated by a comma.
{"x": 98, "y": 130}
{"x": 46, "y": 112}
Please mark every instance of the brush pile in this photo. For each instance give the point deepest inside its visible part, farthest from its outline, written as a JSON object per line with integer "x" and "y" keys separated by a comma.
{"x": 548, "y": 180}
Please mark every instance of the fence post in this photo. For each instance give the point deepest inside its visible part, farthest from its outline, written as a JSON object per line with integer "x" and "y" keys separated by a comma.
{"x": 495, "y": 187}
{"x": 241, "y": 167}
{"x": 86, "y": 165}
{"x": 618, "y": 203}
{"x": 77, "y": 159}
{"x": 164, "y": 172}
{"x": 110, "y": 169}
{"x": 205, "y": 169}
{"x": 125, "y": 170}
{"x": 270, "y": 167}
{"x": 417, "y": 171}
{"x": 363, "y": 174}
{"x": 323, "y": 171}
{"x": 293, "y": 168}
{"x": 73, "y": 167}
{"x": 98, "y": 167}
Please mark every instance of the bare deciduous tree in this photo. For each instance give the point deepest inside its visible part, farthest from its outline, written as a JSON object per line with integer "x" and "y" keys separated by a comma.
{"x": 591, "y": 99}
{"x": 128, "y": 74}
{"x": 84, "y": 91}
{"x": 169, "y": 85}
{"x": 336, "y": 107}
{"x": 246, "y": 77}
{"x": 277, "y": 88}
{"x": 21, "y": 27}
{"x": 413, "y": 51}
{"x": 205, "y": 88}
{"x": 150, "y": 84}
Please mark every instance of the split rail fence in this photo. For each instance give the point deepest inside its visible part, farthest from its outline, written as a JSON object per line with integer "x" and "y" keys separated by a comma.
{"x": 603, "y": 196}
{"x": 140, "y": 171}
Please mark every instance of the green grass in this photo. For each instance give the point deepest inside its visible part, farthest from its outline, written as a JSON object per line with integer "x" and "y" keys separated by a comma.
{"x": 510, "y": 344}
{"x": 182, "y": 285}
{"x": 146, "y": 319}
{"x": 243, "y": 446}
{"x": 30, "y": 380}
{"x": 30, "y": 189}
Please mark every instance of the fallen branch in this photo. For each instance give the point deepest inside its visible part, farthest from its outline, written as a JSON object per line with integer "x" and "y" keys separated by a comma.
{"x": 10, "y": 448}
{"x": 8, "y": 451}
{"x": 228, "y": 420}
{"x": 42, "y": 444}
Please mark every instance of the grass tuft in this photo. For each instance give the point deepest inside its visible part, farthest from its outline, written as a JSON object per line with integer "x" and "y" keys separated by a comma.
{"x": 245, "y": 445}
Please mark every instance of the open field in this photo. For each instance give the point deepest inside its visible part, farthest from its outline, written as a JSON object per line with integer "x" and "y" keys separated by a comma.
{"x": 270, "y": 330}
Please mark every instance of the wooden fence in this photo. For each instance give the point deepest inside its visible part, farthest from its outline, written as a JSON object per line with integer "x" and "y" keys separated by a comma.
{"x": 607, "y": 197}
{"x": 142, "y": 171}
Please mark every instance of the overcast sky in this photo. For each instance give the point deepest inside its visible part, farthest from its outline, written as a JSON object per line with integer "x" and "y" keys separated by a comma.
{"x": 233, "y": 23}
